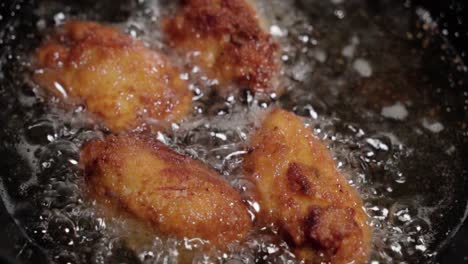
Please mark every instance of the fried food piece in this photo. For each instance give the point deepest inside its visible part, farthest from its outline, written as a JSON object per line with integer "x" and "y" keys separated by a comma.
{"x": 179, "y": 196}
{"x": 225, "y": 38}
{"x": 301, "y": 191}
{"x": 115, "y": 76}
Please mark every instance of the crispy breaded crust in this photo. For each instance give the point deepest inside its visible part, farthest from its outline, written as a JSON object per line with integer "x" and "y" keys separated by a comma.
{"x": 180, "y": 196}
{"x": 118, "y": 79}
{"x": 301, "y": 191}
{"x": 233, "y": 47}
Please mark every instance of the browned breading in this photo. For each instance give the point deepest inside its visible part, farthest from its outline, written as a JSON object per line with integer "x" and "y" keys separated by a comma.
{"x": 114, "y": 75}
{"x": 179, "y": 196}
{"x": 225, "y": 38}
{"x": 301, "y": 191}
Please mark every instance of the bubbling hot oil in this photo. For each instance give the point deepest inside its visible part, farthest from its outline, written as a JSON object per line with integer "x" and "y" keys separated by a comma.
{"x": 348, "y": 74}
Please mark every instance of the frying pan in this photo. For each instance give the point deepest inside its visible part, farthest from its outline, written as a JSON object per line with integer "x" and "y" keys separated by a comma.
{"x": 17, "y": 247}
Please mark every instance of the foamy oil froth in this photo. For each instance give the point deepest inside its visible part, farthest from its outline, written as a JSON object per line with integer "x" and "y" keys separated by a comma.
{"x": 357, "y": 94}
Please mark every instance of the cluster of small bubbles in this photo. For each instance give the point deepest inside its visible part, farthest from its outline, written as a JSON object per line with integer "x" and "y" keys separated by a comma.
{"x": 219, "y": 139}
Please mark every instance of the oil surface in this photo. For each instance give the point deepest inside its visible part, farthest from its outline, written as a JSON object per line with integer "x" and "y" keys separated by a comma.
{"x": 374, "y": 80}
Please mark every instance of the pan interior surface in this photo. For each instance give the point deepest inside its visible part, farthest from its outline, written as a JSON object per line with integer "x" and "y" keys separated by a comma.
{"x": 375, "y": 80}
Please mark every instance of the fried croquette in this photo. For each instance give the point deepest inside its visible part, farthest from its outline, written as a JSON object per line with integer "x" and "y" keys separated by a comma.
{"x": 117, "y": 78}
{"x": 301, "y": 191}
{"x": 179, "y": 196}
{"x": 225, "y": 38}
